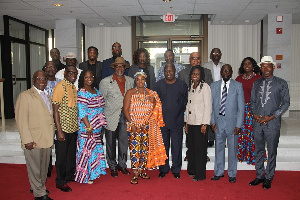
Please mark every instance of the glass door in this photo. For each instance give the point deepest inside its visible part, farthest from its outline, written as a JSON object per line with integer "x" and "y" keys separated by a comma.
{"x": 156, "y": 50}
{"x": 18, "y": 59}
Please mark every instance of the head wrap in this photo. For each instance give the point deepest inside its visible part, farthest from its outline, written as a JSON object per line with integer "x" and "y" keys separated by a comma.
{"x": 141, "y": 73}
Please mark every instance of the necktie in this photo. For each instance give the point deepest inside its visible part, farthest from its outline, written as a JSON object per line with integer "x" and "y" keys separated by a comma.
{"x": 223, "y": 100}
{"x": 46, "y": 100}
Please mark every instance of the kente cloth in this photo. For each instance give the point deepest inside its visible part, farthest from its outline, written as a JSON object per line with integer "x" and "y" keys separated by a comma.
{"x": 143, "y": 115}
{"x": 90, "y": 159}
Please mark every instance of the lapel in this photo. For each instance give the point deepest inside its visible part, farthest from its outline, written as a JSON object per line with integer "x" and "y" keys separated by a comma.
{"x": 40, "y": 99}
{"x": 230, "y": 91}
{"x": 218, "y": 92}
{"x": 115, "y": 86}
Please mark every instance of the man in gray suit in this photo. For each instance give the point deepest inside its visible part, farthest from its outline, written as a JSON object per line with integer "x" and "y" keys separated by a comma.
{"x": 270, "y": 98}
{"x": 93, "y": 65}
{"x": 113, "y": 89}
{"x": 226, "y": 121}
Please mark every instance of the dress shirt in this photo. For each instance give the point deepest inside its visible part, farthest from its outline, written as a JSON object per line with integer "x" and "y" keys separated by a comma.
{"x": 217, "y": 70}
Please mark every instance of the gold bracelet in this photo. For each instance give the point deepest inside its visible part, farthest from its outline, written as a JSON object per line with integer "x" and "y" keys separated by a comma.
{"x": 89, "y": 129}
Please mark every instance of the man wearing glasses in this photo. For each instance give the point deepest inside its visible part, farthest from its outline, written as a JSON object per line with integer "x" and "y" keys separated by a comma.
{"x": 116, "y": 52}
{"x": 65, "y": 114}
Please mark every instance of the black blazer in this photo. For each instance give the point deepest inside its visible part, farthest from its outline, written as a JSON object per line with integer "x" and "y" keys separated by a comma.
{"x": 84, "y": 66}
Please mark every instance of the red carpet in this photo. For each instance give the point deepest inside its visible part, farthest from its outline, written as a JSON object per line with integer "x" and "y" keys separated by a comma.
{"x": 15, "y": 185}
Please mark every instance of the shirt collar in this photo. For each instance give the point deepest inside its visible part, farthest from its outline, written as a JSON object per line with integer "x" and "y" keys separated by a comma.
{"x": 39, "y": 91}
{"x": 227, "y": 83}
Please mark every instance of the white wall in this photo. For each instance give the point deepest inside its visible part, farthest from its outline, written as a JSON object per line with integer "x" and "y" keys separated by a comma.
{"x": 235, "y": 42}
{"x": 104, "y": 37}
{"x": 295, "y": 68}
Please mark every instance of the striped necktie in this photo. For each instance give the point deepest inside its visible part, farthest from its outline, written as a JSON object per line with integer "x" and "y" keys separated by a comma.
{"x": 223, "y": 100}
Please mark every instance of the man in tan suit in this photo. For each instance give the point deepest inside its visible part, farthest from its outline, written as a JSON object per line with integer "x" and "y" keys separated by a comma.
{"x": 34, "y": 117}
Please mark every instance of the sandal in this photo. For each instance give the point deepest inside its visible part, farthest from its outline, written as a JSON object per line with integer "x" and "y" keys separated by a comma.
{"x": 144, "y": 176}
{"x": 134, "y": 180}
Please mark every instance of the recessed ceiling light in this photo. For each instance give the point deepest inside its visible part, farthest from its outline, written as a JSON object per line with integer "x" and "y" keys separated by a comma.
{"x": 119, "y": 23}
{"x": 222, "y": 21}
{"x": 166, "y": 0}
{"x": 57, "y": 4}
{"x": 101, "y": 24}
{"x": 247, "y": 21}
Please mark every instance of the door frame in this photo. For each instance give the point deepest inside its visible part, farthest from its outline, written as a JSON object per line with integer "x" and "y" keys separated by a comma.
{"x": 7, "y": 65}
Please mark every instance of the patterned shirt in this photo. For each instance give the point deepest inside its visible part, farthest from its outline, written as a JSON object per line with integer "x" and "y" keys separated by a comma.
{"x": 65, "y": 95}
{"x": 161, "y": 71}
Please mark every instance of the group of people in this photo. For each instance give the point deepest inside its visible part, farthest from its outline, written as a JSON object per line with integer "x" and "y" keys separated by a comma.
{"x": 148, "y": 114}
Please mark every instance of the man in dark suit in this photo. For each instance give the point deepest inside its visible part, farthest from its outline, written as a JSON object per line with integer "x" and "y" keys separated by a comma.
{"x": 116, "y": 52}
{"x": 34, "y": 117}
{"x": 228, "y": 106}
{"x": 93, "y": 65}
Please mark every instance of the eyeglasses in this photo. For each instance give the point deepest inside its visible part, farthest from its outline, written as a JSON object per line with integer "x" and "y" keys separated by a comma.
{"x": 116, "y": 47}
{"x": 216, "y": 53}
{"x": 70, "y": 73}
{"x": 195, "y": 58}
{"x": 40, "y": 79}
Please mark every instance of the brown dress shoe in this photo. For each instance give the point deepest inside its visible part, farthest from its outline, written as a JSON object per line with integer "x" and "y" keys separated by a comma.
{"x": 124, "y": 170}
{"x": 114, "y": 173}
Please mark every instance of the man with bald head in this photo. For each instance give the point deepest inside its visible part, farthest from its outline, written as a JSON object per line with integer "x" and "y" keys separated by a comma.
{"x": 34, "y": 117}
{"x": 173, "y": 95}
{"x": 195, "y": 59}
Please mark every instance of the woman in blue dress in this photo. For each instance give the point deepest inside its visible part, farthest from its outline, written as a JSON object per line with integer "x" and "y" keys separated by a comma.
{"x": 90, "y": 160}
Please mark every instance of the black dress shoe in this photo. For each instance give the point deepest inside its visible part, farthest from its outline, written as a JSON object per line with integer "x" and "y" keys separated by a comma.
{"x": 114, "y": 173}
{"x": 216, "y": 178}
{"x": 124, "y": 170}
{"x": 232, "y": 179}
{"x": 256, "y": 181}
{"x": 64, "y": 188}
{"x": 267, "y": 184}
{"x": 176, "y": 175}
{"x": 45, "y": 197}
{"x": 162, "y": 174}
{"x": 31, "y": 191}
{"x": 210, "y": 143}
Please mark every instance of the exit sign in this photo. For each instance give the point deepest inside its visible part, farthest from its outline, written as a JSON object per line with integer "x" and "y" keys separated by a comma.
{"x": 169, "y": 17}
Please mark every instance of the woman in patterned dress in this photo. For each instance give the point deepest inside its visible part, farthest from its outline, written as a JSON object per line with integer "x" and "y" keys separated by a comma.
{"x": 90, "y": 160}
{"x": 249, "y": 72}
{"x": 143, "y": 111}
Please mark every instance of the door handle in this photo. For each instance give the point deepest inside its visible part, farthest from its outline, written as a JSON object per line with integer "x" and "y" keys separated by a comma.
{"x": 15, "y": 79}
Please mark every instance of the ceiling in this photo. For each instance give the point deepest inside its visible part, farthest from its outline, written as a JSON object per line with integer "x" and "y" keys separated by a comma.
{"x": 111, "y": 12}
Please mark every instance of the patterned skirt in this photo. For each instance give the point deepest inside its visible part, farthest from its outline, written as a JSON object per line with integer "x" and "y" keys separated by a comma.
{"x": 90, "y": 160}
{"x": 139, "y": 148}
{"x": 246, "y": 147}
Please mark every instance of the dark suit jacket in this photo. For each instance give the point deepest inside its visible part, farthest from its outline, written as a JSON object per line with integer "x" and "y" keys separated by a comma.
{"x": 185, "y": 75}
{"x": 134, "y": 69}
{"x": 98, "y": 75}
{"x": 107, "y": 70}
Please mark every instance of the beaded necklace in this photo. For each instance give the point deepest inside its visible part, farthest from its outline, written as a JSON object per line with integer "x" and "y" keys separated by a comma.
{"x": 137, "y": 92}
{"x": 245, "y": 77}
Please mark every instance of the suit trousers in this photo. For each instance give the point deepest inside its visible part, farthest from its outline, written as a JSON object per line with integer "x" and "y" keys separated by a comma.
{"x": 111, "y": 136}
{"x": 197, "y": 152}
{"x": 175, "y": 136}
{"x": 263, "y": 134}
{"x": 37, "y": 161}
{"x": 65, "y": 158}
{"x": 221, "y": 135}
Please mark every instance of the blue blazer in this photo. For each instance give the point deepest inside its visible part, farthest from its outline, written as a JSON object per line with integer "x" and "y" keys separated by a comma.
{"x": 234, "y": 107}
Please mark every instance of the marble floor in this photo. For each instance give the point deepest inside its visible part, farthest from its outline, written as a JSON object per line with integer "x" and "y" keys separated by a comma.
{"x": 288, "y": 151}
